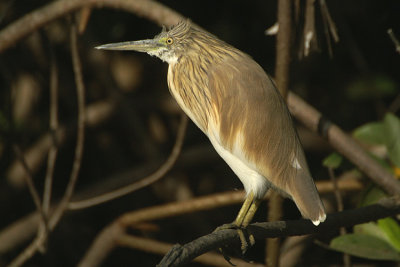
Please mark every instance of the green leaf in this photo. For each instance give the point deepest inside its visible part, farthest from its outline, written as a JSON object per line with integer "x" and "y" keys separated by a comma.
{"x": 365, "y": 246}
{"x": 392, "y": 131}
{"x": 392, "y": 230}
{"x": 371, "y": 133}
{"x": 332, "y": 161}
{"x": 370, "y": 228}
{"x": 371, "y": 196}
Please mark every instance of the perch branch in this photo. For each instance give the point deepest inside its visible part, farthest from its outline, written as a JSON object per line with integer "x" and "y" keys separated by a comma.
{"x": 157, "y": 247}
{"x": 181, "y": 255}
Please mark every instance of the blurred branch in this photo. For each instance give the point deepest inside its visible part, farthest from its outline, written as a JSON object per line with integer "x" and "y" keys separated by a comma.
{"x": 329, "y": 26}
{"x": 342, "y": 143}
{"x": 35, "y": 156}
{"x": 283, "y": 46}
{"x": 53, "y": 129}
{"x": 282, "y": 70}
{"x": 38, "y": 18}
{"x": 394, "y": 40}
{"x": 309, "y": 37}
{"x": 24, "y": 228}
{"x": 181, "y": 255}
{"x": 80, "y": 90}
{"x": 340, "y": 207}
{"x": 37, "y": 243}
{"x": 84, "y": 19}
{"x": 31, "y": 186}
{"x": 169, "y": 163}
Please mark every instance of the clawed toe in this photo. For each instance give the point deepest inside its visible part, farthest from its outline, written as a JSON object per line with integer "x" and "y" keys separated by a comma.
{"x": 246, "y": 239}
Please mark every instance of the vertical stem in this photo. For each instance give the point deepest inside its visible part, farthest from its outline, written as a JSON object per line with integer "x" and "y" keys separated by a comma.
{"x": 339, "y": 201}
{"x": 80, "y": 90}
{"x": 53, "y": 130}
{"x": 283, "y": 46}
{"x": 282, "y": 81}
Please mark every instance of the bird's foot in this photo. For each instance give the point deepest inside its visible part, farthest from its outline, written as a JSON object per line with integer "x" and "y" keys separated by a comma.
{"x": 246, "y": 239}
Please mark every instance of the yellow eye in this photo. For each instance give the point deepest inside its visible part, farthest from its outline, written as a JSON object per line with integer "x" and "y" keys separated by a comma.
{"x": 169, "y": 41}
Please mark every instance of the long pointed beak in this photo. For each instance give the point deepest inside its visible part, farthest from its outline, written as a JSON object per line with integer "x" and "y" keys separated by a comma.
{"x": 140, "y": 46}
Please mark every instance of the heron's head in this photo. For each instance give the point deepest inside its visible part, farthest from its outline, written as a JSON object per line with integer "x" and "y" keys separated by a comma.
{"x": 168, "y": 45}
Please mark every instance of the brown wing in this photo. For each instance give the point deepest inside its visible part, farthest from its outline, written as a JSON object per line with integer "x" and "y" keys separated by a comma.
{"x": 255, "y": 125}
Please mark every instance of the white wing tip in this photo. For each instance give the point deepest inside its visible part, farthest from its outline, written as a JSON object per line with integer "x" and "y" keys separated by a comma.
{"x": 321, "y": 218}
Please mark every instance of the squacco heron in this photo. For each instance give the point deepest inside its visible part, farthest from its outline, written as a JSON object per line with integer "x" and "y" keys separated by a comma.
{"x": 235, "y": 103}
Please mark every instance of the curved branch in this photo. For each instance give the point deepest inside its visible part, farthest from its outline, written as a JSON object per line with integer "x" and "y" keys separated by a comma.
{"x": 180, "y": 255}
{"x": 41, "y": 16}
{"x": 152, "y": 178}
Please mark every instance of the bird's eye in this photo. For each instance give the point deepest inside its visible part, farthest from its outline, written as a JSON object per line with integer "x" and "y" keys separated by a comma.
{"x": 170, "y": 41}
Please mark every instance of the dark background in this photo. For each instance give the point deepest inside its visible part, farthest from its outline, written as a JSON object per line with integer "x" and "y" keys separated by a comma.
{"x": 354, "y": 86}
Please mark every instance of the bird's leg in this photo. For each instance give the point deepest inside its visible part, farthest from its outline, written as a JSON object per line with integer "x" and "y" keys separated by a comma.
{"x": 249, "y": 217}
{"x": 244, "y": 210}
{"x": 243, "y": 219}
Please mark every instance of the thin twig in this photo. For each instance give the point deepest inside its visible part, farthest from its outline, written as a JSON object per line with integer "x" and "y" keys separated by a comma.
{"x": 31, "y": 186}
{"x": 394, "y": 40}
{"x": 339, "y": 200}
{"x": 309, "y": 37}
{"x": 37, "y": 243}
{"x": 329, "y": 26}
{"x": 35, "y": 155}
{"x": 80, "y": 90}
{"x": 181, "y": 255}
{"x": 169, "y": 163}
{"x": 53, "y": 129}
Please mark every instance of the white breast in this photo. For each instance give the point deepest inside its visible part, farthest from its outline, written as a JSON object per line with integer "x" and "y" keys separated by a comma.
{"x": 251, "y": 179}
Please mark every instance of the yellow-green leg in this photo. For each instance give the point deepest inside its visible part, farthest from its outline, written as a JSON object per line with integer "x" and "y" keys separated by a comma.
{"x": 243, "y": 219}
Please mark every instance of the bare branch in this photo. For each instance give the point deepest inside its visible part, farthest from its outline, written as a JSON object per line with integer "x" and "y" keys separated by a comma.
{"x": 282, "y": 71}
{"x": 101, "y": 245}
{"x": 309, "y": 41}
{"x": 339, "y": 201}
{"x": 283, "y": 46}
{"x": 56, "y": 216}
{"x": 394, "y": 40}
{"x": 157, "y": 247}
{"x": 181, "y": 255}
{"x": 35, "y": 156}
{"x": 53, "y": 129}
{"x": 343, "y": 143}
{"x": 169, "y": 163}
{"x": 38, "y": 18}
{"x": 24, "y": 228}
{"x": 31, "y": 186}
{"x": 80, "y": 90}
